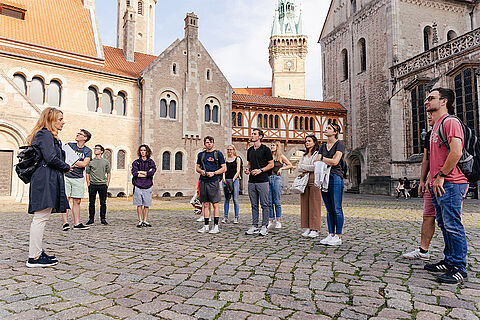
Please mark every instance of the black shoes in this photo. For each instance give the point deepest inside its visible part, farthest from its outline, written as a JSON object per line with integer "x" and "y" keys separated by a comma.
{"x": 89, "y": 222}
{"x": 66, "y": 227}
{"x": 441, "y": 266}
{"x": 41, "y": 262}
{"x": 146, "y": 224}
{"x": 45, "y": 255}
{"x": 454, "y": 275}
{"x": 104, "y": 222}
{"x": 80, "y": 226}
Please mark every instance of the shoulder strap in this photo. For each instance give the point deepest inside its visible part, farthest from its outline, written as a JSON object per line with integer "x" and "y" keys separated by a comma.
{"x": 441, "y": 131}
{"x": 202, "y": 158}
{"x": 215, "y": 156}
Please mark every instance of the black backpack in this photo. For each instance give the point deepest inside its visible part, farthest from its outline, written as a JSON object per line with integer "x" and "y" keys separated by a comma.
{"x": 28, "y": 160}
{"x": 469, "y": 163}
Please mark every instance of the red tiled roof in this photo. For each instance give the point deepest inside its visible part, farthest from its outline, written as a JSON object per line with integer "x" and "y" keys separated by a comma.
{"x": 285, "y": 102}
{"x": 60, "y": 24}
{"x": 114, "y": 63}
{"x": 254, "y": 91}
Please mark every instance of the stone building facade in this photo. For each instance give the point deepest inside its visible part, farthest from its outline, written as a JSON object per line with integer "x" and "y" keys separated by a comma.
{"x": 375, "y": 53}
{"x": 51, "y": 55}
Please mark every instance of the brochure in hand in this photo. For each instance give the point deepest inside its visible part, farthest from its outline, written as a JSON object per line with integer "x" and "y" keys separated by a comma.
{"x": 70, "y": 155}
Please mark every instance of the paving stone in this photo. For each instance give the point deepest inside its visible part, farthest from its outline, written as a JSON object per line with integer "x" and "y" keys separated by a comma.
{"x": 425, "y": 315}
{"x": 73, "y": 313}
{"x": 387, "y": 313}
{"x": 463, "y": 314}
{"x": 231, "y": 296}
{"x": 119, "y": 312}
{"x": 428, "y": 307}
{"x": 456, "y": 303}
{"x": 240, "y": 315}
{"x": 171, "y": 315}
{"x": 153, "y": 307}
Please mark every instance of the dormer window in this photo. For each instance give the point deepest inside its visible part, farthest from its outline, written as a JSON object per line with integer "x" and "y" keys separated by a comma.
{"x": 10, "y": 11}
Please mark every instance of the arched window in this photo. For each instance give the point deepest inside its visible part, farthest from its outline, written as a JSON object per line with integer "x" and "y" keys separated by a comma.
{"x": 239, "y": 119}
{"x": 107, "y": 155}
{"x": 140, "y": 8}
{"x": 345, "y": 64}
{"x": 312, "y": 125}
{"x": 178, "y": 161}
{"x": 270, "y": 121}
{"x": 277, "y": 120}
{"x": 362, "y": 48}
{"x": 54, "y": 93}
{"x": 172, "y": 109}
{"x": 301, "y": 123}
{"x": 259, "y": 121}
{"x": 354, "y": 5}
{"x": 451, "y": 35}
{"x": 215, "y": 114}
{"x": 207, "y": 113}
{"x": 163, "y": 108}
{"x": 208, "y": 74}
{"x": 121, "y": 160}
{"x": 234, "y": 119}
{"x": 427, "y": 38}
{"x": 92, "y": 99}
{"x": 419, "y": 117}
{"x": 295, "y": 122}
{"x": 106, "y": 102}
{"x": 37, "y": 91}
{"x": 21, "y": 82}
{"x": 121, "y": 104}
{"x": 466, "y": 99}
{"x": 174, "y": 68}
{"x": 265, "y": 121}
{"x": 166, "y": 161}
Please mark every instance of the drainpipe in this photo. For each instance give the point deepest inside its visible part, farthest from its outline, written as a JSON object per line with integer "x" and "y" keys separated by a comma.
{"x": 140, "y": 85}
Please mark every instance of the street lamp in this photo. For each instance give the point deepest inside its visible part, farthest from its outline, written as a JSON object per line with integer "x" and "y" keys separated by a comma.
{"x": 423, "y": 134}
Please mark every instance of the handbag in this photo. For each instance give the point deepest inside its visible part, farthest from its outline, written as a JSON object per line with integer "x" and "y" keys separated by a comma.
{"x": 28, "y": 160}
{"x": 300, "y": 183}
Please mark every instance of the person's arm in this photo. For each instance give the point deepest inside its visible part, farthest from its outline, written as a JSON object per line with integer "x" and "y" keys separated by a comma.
{"x": 247, "y": 168}
{"x": 109, "y": 175}
{"x": 200, "y": 170}
{"x": 135, "y": 169}
{"x": 333, "y": 161}
{"x": 423, "y": 173}
{"x": 152, "y": 169}
{"x": 287, "y": 165}
{"x": 82, "y": 164}
{"x": 46, "y": 145}
{"x": 87, "y": 178}
{"x": 237, "y": 174}
{"x": 222, "y": 170}
{"x": 454, "y": 155}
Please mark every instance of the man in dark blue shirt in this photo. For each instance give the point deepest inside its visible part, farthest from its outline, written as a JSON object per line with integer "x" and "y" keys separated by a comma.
{"x": 211, "y": 166}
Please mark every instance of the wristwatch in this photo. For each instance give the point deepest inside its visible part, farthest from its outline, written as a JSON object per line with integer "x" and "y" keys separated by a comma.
{"x": 441, "y": 174}
{"x": 261, "y": 169}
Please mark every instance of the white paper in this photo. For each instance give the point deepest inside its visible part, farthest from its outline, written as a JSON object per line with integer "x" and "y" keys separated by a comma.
{"x": 70, "y": 155}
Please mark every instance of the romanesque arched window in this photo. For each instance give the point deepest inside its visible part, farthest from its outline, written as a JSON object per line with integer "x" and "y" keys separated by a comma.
{"x": 239, "y": 119}
{"x": 208, "y": 113}
{"x": 107, "y": 155}
{"x": 37, "y": 91}
{"x": 212, "y": 110}
{"x": 178, "y": 161}
{"x": 168, "y": 105}
{"x": 92, "y": 99}
{"x": 21, "y": 82}
{"x": 270, "y": 121}
{"x": 466, "y": 98}
{"x": 106, "y": 101}
{"x": 301, "y": 123}
{"x": 172, "y": 109}
{"x": 427, "y": 38}
{"x": 362, "y": 49}
{"x": 121, "y": 160}
{"x": 451, "y": 35}
{"x": 344, "y": 64}
{"x": 215, "y": 114}
{"x": 277, "y": 120}
{"x": 121, "y": 104}
{"x": 54, "y": 93}
{"x": 166, "y": 160}
{"x": 265, "y": 121}
{"x": 163, "y": 108}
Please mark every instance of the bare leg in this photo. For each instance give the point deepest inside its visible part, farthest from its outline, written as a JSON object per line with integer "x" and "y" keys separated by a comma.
{"x": 428, "y": 229}
{"x": 76, "y": 211}
{"x": 206, "y": 210}
{"x": 65, "y": 214}
{"x": 140, "y": 213}
{"x": 216, "y": 210}
{"x": 145, "y": 214}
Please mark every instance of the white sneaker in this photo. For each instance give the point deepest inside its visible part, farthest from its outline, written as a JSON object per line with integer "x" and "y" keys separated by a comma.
{"x": 326, "y": 240}
{"x": 263, "y": 231}
{"x": 235, "y": 220}
{"x": 204, "y": 229}
{"x": 200, "y": 219}
{"x": 252, "y": 230}
{"x": 225, "y": 220}
{"x": 270, "y": 225}
{"x": 313, "y": 234}
{"x": 215, "y": 229}
{"x": 335, "y": 241}
{"x": 306, "y": 232}
{"x": 416, "y": 254}
{"x": 278, "y": 225}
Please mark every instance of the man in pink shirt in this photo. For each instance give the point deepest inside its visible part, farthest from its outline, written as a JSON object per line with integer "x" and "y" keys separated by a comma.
{"x": 448, "y": 186}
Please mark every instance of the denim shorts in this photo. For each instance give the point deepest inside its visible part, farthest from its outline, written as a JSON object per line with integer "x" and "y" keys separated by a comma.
{"x": 142, "y": 197}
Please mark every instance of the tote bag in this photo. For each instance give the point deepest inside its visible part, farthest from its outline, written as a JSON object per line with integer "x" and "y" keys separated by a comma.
{"x": 300, "y": 183}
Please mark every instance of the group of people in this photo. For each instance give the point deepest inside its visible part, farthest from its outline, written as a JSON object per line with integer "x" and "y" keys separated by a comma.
{"x": 442, "y": 184}
{"x": 264, "y": 168}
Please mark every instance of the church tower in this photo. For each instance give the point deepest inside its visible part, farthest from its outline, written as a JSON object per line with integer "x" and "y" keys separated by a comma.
{"x": 136, "y": 23}
{"x": 288, "y": 51}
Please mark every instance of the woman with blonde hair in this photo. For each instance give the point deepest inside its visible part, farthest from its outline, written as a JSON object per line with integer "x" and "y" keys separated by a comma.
{"x": 231, "y": 184}
{"x": 47, "y": 186}
{"x": 280, "y": 163}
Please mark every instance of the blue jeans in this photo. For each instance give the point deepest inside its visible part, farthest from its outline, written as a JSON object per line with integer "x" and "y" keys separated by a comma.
{"x": 226, "y": 204}
{"x": 448, "y": 208}
{"x": 275, "y": 183}
{"x": 333, "y": 202}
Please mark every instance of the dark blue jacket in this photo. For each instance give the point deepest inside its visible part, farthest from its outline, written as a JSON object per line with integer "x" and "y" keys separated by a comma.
{"x": 47, "y": 187}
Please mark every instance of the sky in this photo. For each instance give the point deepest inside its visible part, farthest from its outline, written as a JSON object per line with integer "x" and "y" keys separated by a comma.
{"x": 236, "y": 33}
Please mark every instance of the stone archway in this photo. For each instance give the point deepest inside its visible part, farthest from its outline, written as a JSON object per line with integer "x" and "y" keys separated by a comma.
{"x": 355, "y": 164}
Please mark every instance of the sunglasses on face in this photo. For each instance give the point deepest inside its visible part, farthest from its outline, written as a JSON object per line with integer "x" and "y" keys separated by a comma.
{"x": 430, "y": 98}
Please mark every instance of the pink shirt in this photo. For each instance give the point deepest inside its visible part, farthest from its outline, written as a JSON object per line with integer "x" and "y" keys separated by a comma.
{"x": 438, "y": 154}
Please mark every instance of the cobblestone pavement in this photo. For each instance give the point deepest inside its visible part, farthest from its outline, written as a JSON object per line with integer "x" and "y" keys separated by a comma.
{"x": 170, "y": 271}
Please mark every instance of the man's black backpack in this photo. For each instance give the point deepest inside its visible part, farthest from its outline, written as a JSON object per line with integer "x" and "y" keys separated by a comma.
{"x": 28, "y": 160}
{"x": 469, "y": 163}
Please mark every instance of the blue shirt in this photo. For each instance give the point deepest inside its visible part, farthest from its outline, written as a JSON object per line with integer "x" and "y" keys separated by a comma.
{"x": 210, "y": 165}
